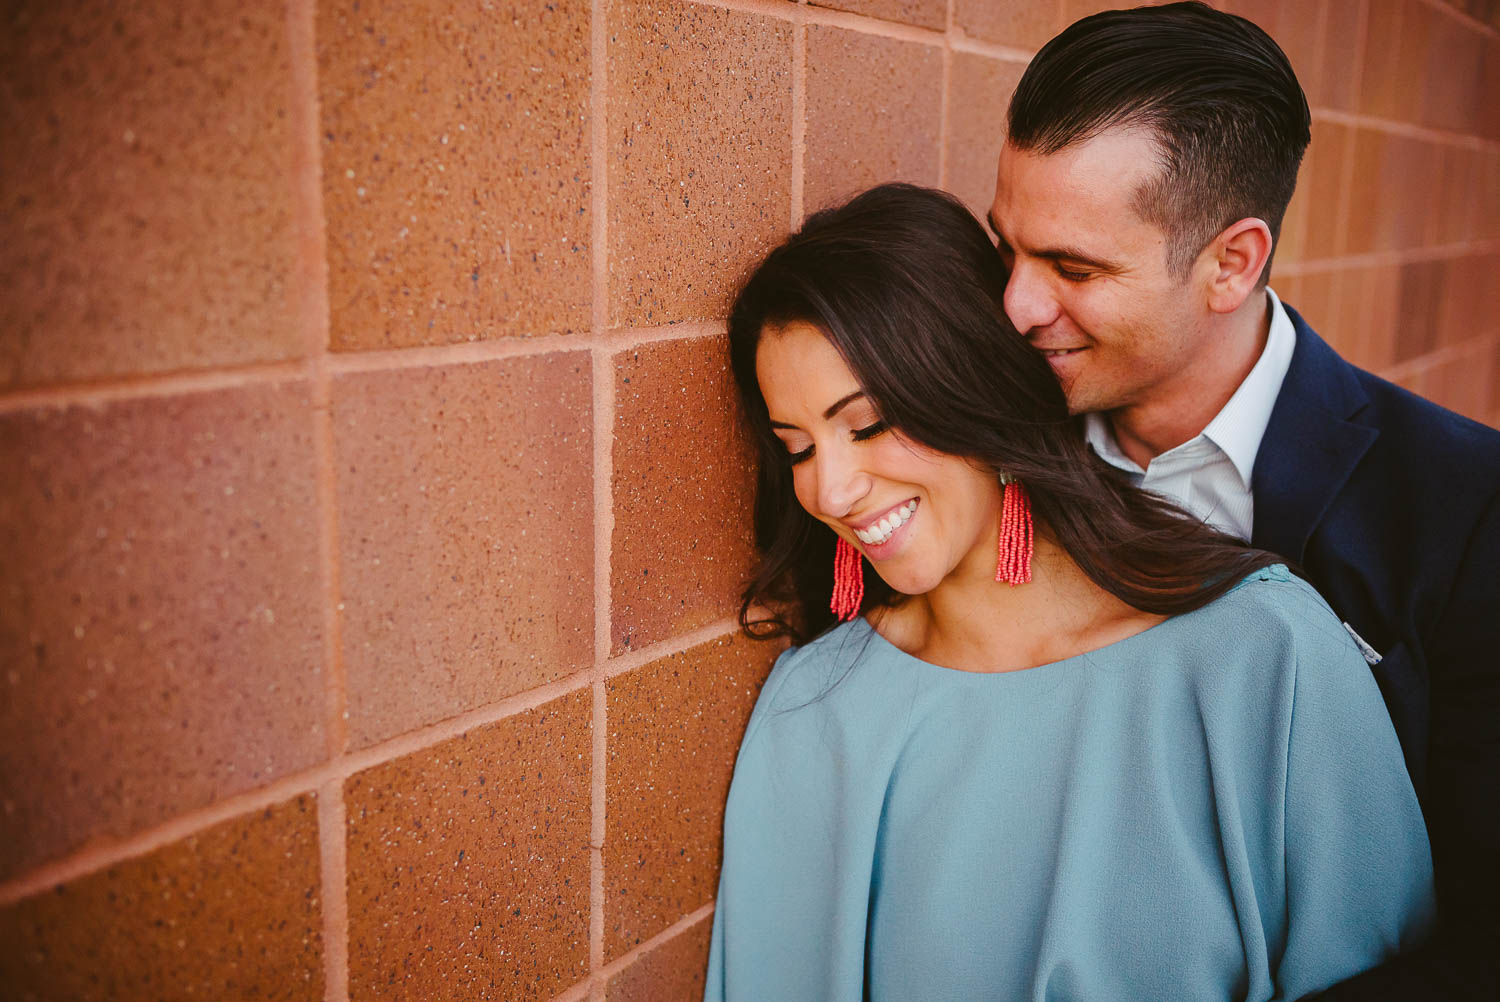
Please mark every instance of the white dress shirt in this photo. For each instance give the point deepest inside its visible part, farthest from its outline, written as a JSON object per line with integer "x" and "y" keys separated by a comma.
{"x": 1209, "y": 474}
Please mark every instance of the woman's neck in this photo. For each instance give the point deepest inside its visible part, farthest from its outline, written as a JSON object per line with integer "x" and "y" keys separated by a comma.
{"x": 973, "y": 623}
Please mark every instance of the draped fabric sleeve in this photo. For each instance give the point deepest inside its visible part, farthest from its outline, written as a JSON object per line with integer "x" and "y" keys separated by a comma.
{"x": 800, "y": 830}
{"x": 1358, "y": 867}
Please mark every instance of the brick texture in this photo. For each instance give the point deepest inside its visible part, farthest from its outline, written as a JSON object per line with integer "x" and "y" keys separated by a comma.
{"x": 160, "y": 631}
{"x": 231, "y": 913}
{"x": 145, "y": 188}
{"x": 455, "y": 169}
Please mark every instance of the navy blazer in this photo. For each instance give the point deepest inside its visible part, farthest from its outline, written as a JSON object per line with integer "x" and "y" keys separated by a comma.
{"x": 1391, "y": 506}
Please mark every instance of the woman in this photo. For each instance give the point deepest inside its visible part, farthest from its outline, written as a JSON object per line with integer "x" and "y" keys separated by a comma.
{"x": 1046, "y": 737}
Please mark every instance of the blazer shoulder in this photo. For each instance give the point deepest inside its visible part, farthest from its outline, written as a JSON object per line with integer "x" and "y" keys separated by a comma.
{"x": 1427, "y": 437}
{"x": 1415, "y": 436}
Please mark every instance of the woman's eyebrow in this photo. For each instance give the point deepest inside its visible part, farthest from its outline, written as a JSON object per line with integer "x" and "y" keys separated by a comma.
{"x": 837, "y": 406}
{"x": 841, "y": 403}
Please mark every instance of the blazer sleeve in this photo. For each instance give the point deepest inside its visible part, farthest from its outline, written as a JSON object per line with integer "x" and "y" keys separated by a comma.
{"x": 1462, "y": 959}
{"x": 1357, "y": 865}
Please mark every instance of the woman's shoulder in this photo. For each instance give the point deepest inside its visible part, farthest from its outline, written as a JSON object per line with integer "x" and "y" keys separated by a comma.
{"x": 839, "y": 674}
{"x": 1273, "y": 605}
{"x": 1272, "y": 626}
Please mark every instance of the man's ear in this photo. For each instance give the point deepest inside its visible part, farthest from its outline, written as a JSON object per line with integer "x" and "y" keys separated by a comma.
{"x": 1237, "y": 256}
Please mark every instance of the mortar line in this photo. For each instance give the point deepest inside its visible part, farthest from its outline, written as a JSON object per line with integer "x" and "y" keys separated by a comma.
{"x": 1405, "y": 129}
{"x": 604, "y": 409}
{"x": 464, "y": 353}
{"x": 333, "y": 860}
{"x": 1345, "y": 208}
{"x": 961, "y": 41}
{"x": 944, "y": 99}
{"x": 631, "y": 660}
{"x": 1377, "y": 259}
{"x": 1320, "y": 46}
{"x": 625, "y": 338}
{"x": 92, "y": 859}
{"x": 602, "y": 375}
{"x": 98, "y": 393}
{"x": 582, "y": 991}
{"x": 1438, "y": 356}
{"x": 94, "y": 393}
{"x": 799, "y": 123}
{"x": 313, "y": 312}
{"x": 803, "y": 13}
{"x": 1483, "y": 27}
{"x": 672, "y": 931}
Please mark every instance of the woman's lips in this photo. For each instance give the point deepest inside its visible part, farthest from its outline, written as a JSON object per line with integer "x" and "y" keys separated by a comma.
{"x": 884, "y": 529}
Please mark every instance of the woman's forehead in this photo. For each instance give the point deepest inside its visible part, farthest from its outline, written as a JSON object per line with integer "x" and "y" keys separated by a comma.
{"x": 801, "y": 373}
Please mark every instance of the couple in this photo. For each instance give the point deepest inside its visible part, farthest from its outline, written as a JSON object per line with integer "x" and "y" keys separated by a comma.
{"x": 1046, "y": 736}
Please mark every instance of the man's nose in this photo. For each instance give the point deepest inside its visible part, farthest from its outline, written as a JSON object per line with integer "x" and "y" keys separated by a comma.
{"x": 1029, "y": 301}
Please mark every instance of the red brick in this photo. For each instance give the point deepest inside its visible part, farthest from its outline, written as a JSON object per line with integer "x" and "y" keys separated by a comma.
{"x": 673, "y": 971}
{"x": 683, "y": 492}
{"x": 980, "y": 96}
{"x": 162, "y": 622}
{"x": 469, "y": 863}
{"x": 231, "y": 913}
{"x": 145, "y": 187}
{"x": 465, "y": 535}
{"x": 674, "y": 728}
{"x": 874, "y": 112}
{"x": 456, "y": 170}
{"x": 700, "y": 146}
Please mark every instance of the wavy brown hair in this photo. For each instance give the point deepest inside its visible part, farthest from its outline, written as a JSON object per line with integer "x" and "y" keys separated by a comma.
{"x": 908, "y": 287}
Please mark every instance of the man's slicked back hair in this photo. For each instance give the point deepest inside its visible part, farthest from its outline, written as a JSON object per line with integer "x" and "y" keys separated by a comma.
{"x": 1230, "y": 120}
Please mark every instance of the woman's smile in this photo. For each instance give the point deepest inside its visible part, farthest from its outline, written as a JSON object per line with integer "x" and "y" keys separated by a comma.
{"x": 881, "y": 534}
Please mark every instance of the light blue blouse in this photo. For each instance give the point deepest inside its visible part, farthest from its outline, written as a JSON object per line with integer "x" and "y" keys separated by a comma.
{"x": 1215, "y": 808}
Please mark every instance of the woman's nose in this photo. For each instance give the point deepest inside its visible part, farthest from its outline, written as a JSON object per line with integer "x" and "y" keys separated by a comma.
{"x": 841, "y": 482}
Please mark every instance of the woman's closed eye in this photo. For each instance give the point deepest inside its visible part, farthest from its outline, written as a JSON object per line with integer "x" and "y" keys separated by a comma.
{"x": 864, "y": 434}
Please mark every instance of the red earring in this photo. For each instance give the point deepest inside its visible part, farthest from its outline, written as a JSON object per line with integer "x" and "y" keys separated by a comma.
{"x": 848, "y": 581}
{"x": 1014, "y": 564}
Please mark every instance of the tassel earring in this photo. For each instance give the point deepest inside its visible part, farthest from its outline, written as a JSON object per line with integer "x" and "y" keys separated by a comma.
{"x": 848, "y": 581}
{"x": 1014, "y": 564}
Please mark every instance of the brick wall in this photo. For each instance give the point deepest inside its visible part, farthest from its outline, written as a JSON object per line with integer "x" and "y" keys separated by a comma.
{"x": 374, "y": 510}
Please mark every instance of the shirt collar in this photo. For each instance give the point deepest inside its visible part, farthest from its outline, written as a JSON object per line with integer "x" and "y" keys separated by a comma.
{"x": 1241, "y": 424}
{"x": 1238, "y": 428}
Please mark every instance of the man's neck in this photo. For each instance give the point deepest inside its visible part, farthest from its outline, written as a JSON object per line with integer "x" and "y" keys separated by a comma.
{"x": 1174, "y": 414}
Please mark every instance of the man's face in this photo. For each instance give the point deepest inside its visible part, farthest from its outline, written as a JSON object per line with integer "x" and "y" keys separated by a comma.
{"x": 1089, "y": 281}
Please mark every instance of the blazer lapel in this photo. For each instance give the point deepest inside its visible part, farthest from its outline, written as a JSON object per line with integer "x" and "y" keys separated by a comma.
{"x": 1311, "y": 445}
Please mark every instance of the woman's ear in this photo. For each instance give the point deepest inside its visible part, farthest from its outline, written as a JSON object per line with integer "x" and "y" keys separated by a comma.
{"x": 1238, "y": 255}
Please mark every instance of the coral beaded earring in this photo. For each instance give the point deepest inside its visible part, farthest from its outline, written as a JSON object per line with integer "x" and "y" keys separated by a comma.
{"x": 1014, "y": 563}
{"x": 848, "y": 581}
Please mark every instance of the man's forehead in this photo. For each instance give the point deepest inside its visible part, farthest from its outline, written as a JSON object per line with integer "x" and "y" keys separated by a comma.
{"x": 1066, "y": 194}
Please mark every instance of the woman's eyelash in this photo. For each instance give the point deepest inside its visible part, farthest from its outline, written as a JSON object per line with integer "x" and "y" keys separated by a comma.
{"x": 869, "y": 431}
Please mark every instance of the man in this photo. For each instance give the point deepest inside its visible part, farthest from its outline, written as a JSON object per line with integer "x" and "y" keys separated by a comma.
{"x": 1149, "y": 158}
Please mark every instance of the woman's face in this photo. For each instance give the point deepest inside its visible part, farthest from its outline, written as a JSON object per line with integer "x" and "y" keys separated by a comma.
{"x": 921, "y": 517}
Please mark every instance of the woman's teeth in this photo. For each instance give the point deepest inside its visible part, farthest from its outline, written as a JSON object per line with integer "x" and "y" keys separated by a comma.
{"x": 881, "y": 531}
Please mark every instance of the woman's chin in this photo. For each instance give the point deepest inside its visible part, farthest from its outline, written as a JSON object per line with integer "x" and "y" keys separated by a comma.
{"x": 909, "y": 581}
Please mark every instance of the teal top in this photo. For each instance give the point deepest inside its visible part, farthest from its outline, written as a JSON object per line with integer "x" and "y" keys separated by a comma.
{"x": 1214, "y": 808}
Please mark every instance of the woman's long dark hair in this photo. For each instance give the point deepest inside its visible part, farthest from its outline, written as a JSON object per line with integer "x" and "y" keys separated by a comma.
{"x": 908, "y": 287}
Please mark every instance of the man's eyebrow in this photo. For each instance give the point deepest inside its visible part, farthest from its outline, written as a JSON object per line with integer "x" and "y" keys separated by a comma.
{"x": 1063, "y": 253}
{"x": 1073, "y": 254}
{"x": 837, "y": 406}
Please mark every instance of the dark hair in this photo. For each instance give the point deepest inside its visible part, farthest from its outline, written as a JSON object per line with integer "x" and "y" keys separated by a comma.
{"x": 906, "y": 285}
{"x": 1228, "y": 114}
